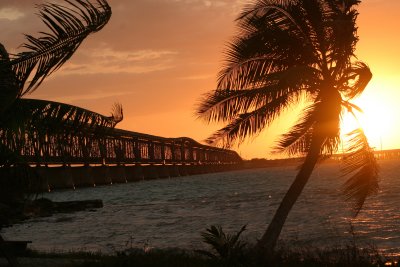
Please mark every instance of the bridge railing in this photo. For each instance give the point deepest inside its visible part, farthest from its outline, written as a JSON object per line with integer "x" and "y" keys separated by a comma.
{"x": 121, "y": 147}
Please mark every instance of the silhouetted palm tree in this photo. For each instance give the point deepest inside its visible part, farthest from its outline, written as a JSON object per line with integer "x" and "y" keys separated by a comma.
{"x": 286, "y": 51}
{"x": 28, "y": 122}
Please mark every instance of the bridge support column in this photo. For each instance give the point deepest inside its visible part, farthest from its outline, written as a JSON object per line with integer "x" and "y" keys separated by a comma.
{"x": 190, "y": 169}
{"x": 219, "y": 167}
{"x": 150, "y": 172}
{"x": 202, "y": 169}
{"x": 135, "y": 173}
{"x": 56, "y": 177}
{"x": 196, "y": 169}
{"x": 173, "y": 170}
{"x": 82, "y": 176}
{"x": 183, "y": 170}
{"x": 212, "y": 168}
{"x": 43, "y": 178}
{"x": 117, "y": 174}
{"x": 100, "y": 175}
{"x": 163, "y": 171}
{"x": 207, "y": 168}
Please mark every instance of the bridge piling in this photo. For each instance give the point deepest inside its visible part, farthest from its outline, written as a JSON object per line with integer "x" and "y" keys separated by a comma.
{"x": 82, "y": 176}
{"x": 195, "y": 169}
{"x": 183, "y": 170}
{"x": 100, "y": 175}
{"x": 150, "y": 172}
{"x": 163, "y": 171}
{"x": 56, "y": 177}
{"x": 117, "y": 174}
{"x": 173, "y": 170}
{"x": 134, "y": 173}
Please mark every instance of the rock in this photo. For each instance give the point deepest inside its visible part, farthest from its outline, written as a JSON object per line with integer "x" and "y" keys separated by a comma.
{"x": 44, "y": 207}
{"x": 39, "y": 208}
{"x": 72, "y": 206}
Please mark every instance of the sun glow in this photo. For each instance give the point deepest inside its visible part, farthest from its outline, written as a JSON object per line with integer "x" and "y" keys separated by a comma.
{"x": 375, "y": 120}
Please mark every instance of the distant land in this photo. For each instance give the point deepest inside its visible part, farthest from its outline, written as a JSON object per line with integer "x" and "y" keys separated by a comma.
{"x": 262, "y": 162}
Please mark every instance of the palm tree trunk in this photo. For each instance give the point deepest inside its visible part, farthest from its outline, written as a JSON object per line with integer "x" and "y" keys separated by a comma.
{"x": 267, "y": 243}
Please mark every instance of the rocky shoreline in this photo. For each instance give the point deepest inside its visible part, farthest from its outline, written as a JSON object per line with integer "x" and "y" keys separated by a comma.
{"x": 12, "y": 213}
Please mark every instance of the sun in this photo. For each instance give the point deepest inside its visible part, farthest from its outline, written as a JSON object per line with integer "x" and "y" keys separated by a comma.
{"x": 375, "y": 120}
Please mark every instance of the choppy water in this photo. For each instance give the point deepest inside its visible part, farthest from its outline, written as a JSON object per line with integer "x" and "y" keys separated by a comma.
{"x": 173, "y": 212}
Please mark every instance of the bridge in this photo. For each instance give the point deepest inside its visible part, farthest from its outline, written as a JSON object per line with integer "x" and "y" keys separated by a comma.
{"x": 379, "y": 154}
{"x": 119, "y": 156}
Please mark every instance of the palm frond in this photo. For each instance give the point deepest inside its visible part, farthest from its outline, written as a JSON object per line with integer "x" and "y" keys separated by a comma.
{"x": 31, "y": 123}
{"x": 8, "y": 83}
{"x": 69, "y": 27}
{"x": 298, "y": 139}
{"x": 7, "y": 156}
{"x": 226, "y": 246}
{"x": 327, "y": 31}
{"x": 272, "y": 10}
{"x": 315, "y": 15}
{"x": 342, "y": 37}
{"x": 216, "y": 238}
{"x": 261, "y": 5}
{"x": 351, "y": 107}
{"x": 268, "y": 42}
{"x": 251, "y": 123}
{"x": 321, "y": 120}
{"x": 356, "y": 79}
{"x": 331, "y": 145}
{"x": 117, "y": 114}
{"x": 225, "y": 104}
{"x": 361, "y": 165}
{"x": 48, "y": 116}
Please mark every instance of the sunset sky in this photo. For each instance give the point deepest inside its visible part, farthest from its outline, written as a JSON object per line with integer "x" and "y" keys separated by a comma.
{"x": 157, "y": 57}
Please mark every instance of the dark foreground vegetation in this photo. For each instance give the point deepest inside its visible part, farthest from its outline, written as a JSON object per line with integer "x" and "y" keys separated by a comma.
{"x": 224, "y": 250}
{"x": 285, "y": 257}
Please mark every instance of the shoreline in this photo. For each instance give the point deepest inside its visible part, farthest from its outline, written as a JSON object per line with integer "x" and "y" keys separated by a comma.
{"x": 284, "y": 256}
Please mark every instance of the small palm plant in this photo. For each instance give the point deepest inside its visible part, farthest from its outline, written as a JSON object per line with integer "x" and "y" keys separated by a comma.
{"x": 227, "y": 247}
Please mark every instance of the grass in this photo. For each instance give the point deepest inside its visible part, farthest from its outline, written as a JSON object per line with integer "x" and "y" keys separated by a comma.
{"x": 135, "y": 257}
{"x": 227, "y": 250}
{"x": 348, "y": 256}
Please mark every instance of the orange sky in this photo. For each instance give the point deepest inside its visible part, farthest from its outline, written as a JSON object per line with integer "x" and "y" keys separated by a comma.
{"x": 157, "y": 57}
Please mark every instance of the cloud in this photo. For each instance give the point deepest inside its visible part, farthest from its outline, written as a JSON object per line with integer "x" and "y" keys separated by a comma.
{"x": 95, "y": 95}
{"x": 199, "y": 77}
{"x": 206, "y": 3}
{"x": 221, "y": 6}
{"x": 109, "y": 61}
{"x": 212, "y": 3}
{"x": 10, "y": 13}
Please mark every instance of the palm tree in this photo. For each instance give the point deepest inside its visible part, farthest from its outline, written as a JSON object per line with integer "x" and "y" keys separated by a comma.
{"x": 286, "y": 51}
{"x": 28, "y": 122}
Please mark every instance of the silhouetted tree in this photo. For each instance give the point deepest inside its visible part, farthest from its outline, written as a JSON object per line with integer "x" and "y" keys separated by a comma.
{"x": 28, "y": 122}
{"x": 286, "y": 51}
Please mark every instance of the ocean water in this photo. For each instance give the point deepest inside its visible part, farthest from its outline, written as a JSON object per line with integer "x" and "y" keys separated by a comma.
{"x": 173, "y": 212}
